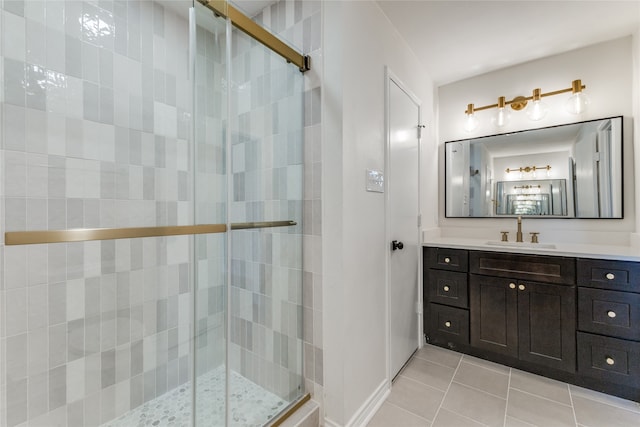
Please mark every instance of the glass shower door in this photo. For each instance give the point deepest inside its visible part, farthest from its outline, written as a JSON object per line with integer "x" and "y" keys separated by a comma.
{"x": 266, "y": 136}
{"x": 248, "y": 120}
{"x": 209, "y": 61}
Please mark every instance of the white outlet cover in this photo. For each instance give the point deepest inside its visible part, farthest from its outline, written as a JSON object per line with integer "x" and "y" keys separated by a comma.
{"x": 375, "y": 181}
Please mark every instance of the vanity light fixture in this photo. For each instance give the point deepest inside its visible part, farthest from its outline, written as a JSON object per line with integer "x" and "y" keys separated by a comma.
{"x": 579, "y": 101}
{"x": 536, "y": 110}
{"x": 471, "y": 122}
{"x": 502, "y": 116}
{"x": 529, "y": 169}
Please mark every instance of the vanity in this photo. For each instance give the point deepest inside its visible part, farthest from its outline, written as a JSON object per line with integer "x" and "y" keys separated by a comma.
{"x": 569, "y": 316}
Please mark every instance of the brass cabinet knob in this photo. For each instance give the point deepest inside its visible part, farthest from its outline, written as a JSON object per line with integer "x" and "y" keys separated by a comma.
{"x": 446, "y": 289}
{"x": 611, "y": 314}
{"x": 521, "y": 287}
{"x": 447, "y": 324}
{"x": 610, "y": 361}
{"x": 610, "y": 276}
{"x": 447, "y": 260}
{"x": 512, "y": 285}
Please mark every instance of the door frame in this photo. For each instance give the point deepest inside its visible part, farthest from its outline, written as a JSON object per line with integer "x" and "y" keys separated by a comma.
{"x": 391, "y": 78}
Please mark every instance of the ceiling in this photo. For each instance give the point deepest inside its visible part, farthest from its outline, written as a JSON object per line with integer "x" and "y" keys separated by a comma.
{"x": 460, "y": 39}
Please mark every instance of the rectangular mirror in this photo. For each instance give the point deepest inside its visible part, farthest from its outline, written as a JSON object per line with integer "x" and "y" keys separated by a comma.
{"x": 566, "y": 171}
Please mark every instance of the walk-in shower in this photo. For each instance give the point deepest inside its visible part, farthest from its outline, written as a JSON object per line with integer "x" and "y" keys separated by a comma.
{"x": 151, "y": 199}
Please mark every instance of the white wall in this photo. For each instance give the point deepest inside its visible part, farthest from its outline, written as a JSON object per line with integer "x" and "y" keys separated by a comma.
{"x": 635, "y": 90}
{"x": 358, "y": 43}
{"x": 607, "y": 71}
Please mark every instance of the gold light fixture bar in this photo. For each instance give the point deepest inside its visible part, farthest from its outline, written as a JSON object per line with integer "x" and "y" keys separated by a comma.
{"x": 12, "y": 238}
{"x": 245, "y": 24}
{"x": 526, "y": 187}
{"x": 528, "y": 169}
{"x": 519, "y": 102}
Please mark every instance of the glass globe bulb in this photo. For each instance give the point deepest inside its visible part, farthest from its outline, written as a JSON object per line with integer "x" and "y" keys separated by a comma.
{"x": 471, "y": 123}
{"x": 577, "y": 103}
{"x": 501, "y": 118}
{"x": 537, "y": 110}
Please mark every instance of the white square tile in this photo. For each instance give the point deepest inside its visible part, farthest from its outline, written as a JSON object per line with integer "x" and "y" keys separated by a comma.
{"x": 57, "y": 134}
{"x": 16, "y": 26}
{"x": 75, "y": 299}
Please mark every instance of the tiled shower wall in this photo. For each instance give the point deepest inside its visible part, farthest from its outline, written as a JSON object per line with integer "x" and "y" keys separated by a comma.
{"x": 95, "y": 126}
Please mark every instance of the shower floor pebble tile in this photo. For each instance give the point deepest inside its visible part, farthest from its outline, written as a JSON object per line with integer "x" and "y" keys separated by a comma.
{"x": 251, "y": 405}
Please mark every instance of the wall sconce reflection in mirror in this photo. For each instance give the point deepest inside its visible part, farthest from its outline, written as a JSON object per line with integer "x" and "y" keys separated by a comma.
{"x": 536, "y": 110}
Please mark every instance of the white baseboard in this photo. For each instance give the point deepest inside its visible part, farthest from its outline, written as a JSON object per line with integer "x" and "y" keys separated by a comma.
{"x": 364, "y": 414}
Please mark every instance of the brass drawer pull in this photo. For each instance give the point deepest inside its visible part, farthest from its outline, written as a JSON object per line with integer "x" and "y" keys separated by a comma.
{"x": 521, "y": 287}
{"x": 610, "y": 276}
{"x": 512, "y": 285}
{"x": 611, "y": 314}
{"x": 447, "y": 260}
{"x": 447, "y": 324}
{"x": 446, "y": 289}
{"x": 610, "y": 361}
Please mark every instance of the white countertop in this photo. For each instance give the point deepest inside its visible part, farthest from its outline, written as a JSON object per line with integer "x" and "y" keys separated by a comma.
{"x": 621, "y": 253}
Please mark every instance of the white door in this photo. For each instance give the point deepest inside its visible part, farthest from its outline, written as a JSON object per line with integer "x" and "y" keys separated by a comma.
{"x": 402, "y": 222}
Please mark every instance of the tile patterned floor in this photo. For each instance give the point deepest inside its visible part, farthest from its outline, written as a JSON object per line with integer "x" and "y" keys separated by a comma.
{"x": 441, "y": 388}
{"x": 251, "y": 405}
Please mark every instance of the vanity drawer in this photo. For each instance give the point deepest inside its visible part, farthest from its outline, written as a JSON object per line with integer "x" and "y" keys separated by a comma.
{"x": 609, "y": 313}
{"x": 448, "y": 323}
{"x": 447, "y": 259}
{"x": 448, "y": 287}
{"x": 537, "y": 268}
{"x": 609, "y": 359}
{"x": 606, "y": 274}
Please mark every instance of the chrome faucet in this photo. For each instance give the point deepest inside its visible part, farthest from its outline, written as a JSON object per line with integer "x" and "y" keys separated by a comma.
{"x": 519, "y": 232}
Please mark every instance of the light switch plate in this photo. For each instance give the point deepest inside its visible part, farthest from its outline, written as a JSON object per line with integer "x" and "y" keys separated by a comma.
{"x": 375, "y": 181}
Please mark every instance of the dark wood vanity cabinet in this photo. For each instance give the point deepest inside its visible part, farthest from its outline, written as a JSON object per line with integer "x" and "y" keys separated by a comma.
{"x": 609, "y": 322}
{"x": 446, "y": 296}
{"x": 575, "y": 320}
{"x": 529, "y": 320}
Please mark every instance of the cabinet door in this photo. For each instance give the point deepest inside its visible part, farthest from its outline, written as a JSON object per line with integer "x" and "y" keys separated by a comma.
{"x": 547, "y": 325}
{"x": 493, "y": 304}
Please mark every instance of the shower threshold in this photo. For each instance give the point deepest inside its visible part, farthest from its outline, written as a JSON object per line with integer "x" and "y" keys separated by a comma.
{"x": 250, "y": 405}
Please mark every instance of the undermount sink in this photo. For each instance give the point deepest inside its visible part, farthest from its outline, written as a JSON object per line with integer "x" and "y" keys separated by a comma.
{"x": 521, "y": 244}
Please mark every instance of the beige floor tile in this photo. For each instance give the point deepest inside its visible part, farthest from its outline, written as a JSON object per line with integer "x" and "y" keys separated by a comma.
{"x": 538, "y": 411}
{"x": 477, "y": 405}
{"x": 416, "y": 397}
{"x": 487, "y": 364}
{"x": 390, "y": 415}
{"x": 540, "y": 386}
{"x": 514, "y": 422}
{"x": 429, "y": 373}
{"x": 595, "y": 414}
{"x": 585, "y": 393}
{"x": 439, "y": 355}
{"x": 447, "y": 418}
{"x": 483, "y": 379}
